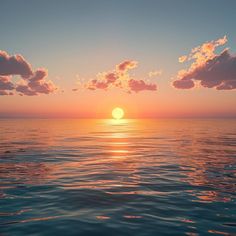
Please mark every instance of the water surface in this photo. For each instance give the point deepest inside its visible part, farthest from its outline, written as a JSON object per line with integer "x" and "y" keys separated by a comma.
{"x": 103, "y": 177}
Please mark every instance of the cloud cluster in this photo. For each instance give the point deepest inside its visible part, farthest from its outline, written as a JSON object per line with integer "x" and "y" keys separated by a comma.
{"x": 32, "y": 82}
{"x": 103, "y": 81}
{"x": 120, "y": 78}
{"x": 209, "y": 69}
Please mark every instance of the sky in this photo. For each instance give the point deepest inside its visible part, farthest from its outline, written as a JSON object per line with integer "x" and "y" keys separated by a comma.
{"x": 82, "y": 58}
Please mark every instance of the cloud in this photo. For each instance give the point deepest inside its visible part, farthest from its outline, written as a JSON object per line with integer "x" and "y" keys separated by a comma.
{"x": 25, "y": 90}
{"x": 140, "y": 85}
{"x": 32, "y": 83}
{"x": 6, "y": 86}
{"x": 183, "y": 84}
{"x": 155, "y": 73}
{"x": 5, "y": 83}
{"x": 182, "y": 59}
{"x": 38, "y": 83}
{"x": 120, "y": 78}
{"x": 126, "y": 65}
{"x": 14, "y": 65}
{"x": 3, "y": 92}
{"x": 209, "y": 69}
{"x": 104, "y": 81}
{"x": 96, "y": 84}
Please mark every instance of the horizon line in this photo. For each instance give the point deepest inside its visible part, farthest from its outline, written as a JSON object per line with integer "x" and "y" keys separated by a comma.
{"x": 110, "y": 118}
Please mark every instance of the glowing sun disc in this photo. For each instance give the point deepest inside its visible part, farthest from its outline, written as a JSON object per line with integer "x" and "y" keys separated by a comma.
{"x": 117, "y": 113}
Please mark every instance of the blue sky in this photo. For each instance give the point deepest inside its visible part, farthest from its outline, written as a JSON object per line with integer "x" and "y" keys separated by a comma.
{"x": 48, "y": 31}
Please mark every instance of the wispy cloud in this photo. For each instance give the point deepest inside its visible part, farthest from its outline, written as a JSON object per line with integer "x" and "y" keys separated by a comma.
{"x": 209, "y": 69}
{"x": 32, "y": 83}
{"x": 155, "y": 73}
{"x": 120, "y": 78}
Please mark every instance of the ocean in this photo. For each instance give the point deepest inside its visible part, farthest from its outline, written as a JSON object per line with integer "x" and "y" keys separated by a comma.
{"x": 126, "y": 177}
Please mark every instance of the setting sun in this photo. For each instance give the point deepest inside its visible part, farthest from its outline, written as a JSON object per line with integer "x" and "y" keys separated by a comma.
{"x": 117, "y": 113}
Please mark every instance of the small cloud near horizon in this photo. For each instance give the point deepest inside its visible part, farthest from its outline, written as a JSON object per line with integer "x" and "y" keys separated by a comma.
{"x": 209, "y": 69}
{"x": 32, "y": 82}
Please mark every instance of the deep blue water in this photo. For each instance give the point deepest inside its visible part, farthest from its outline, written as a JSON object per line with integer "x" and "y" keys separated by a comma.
{"x": 101, "y": 177}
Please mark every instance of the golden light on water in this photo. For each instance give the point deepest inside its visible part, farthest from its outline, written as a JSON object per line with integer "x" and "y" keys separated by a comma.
{"x": 117, "y": 113}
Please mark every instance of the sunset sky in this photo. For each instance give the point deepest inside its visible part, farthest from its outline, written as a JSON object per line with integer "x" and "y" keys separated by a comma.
{"x": 102, "y": 54}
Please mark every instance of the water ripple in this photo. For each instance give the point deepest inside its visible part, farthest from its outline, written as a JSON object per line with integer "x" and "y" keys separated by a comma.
{"x": 137, "y": 177}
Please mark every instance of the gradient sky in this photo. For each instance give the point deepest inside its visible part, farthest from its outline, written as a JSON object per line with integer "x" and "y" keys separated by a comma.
{"x": 78, "y": 39}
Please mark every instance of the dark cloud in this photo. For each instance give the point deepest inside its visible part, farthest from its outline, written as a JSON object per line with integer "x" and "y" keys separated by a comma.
{"x": 140, "y": 85}
{"x": 183, "y": 84}
{"x": 14, "y": 65}
{"x": 209, "y": 69}
{"x": 33, "y": 83}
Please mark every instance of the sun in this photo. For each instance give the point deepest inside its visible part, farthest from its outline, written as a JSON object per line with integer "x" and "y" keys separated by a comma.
{"x": 117, "y": 113}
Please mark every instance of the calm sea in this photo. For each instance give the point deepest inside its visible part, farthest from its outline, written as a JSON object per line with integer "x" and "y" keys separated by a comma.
{"x": 129, "y": 177}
